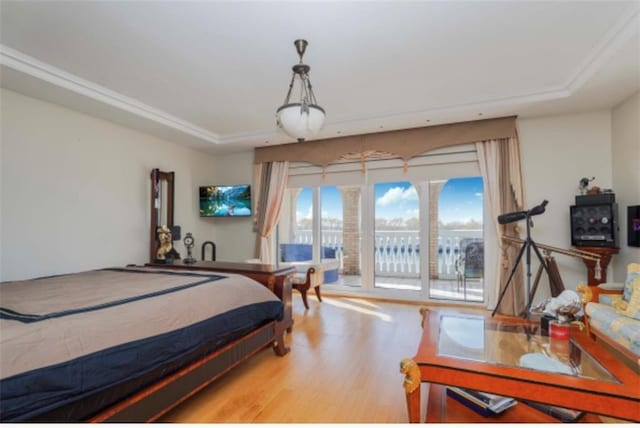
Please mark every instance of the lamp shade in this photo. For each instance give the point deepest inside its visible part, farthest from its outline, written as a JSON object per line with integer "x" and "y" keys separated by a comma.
{"x": 300, "y": 122}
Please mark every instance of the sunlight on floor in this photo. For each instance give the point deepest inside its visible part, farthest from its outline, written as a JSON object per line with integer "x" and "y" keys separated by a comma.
{"x": 342, "y": 303}
{"x": 363, "y": 302}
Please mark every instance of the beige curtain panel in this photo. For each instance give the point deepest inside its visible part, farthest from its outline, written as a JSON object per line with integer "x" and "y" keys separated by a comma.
{"x": 405, "y": 143}
{"x": 499, "y": 162}
{"x": 270, "y": 195}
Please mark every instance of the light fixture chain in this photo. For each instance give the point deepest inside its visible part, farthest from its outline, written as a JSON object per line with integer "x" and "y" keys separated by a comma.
{"x": 304, "y": 96}
{"x": 286, "y": 99}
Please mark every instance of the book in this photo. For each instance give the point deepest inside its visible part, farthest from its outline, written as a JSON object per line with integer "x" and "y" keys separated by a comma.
{"x": 483, "y": 403}
{"x": 470, "y": 403}
{"x": 561, "y": 413}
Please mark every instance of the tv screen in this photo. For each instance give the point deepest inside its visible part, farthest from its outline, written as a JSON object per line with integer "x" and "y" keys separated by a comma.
{"x": 225, "y": 201}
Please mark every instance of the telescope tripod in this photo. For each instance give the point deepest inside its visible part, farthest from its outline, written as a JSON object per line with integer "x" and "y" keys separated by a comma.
{"x": 527, "y": 245}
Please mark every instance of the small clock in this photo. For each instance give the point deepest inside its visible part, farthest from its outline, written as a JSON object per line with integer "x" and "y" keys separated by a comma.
{"x": 188, "y": 243}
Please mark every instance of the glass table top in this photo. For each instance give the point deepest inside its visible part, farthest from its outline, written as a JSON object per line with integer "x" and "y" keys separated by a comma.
{"x": 515, "y": 345}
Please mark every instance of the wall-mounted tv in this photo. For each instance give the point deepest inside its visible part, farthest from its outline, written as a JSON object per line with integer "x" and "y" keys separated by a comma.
{"x": 225, "y": 201}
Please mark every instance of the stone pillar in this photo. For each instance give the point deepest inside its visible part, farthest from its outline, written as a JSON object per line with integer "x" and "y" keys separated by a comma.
{"x": 434, "y": 196}
{"x": 350, "y": 229}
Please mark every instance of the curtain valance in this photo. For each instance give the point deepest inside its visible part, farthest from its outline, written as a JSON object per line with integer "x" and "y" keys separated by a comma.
{"x": 405, "y": 143}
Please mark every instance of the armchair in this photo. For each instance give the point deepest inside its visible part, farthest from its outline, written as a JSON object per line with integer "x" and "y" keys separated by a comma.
{"x": 612, "y": 312}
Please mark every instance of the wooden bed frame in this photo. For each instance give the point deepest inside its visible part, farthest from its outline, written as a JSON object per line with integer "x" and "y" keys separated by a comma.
{"x": 154, "y": 401}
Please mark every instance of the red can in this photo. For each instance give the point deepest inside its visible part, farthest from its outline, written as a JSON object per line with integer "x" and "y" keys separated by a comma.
{"x": 558, "y": 330}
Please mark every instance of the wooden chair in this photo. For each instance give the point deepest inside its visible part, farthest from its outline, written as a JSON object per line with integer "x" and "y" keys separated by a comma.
{"x": 303, "y": 283}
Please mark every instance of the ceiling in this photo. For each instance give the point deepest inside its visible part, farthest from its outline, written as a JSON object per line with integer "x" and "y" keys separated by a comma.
{"x": 210, "y": 74}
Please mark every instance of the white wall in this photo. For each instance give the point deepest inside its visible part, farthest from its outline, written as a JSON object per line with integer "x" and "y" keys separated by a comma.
{"x": 626, "y": 175}
{"x": 76, "y": 190}
{"x": 234, "y": 236}
{"x": 556, "y": 152}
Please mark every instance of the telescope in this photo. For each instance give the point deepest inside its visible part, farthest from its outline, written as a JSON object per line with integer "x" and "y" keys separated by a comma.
{"x": 527, "y": 244}
{"x": 521, "y": 215}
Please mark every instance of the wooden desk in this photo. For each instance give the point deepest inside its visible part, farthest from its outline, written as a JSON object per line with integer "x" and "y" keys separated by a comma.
{"x": 277, "y": 279}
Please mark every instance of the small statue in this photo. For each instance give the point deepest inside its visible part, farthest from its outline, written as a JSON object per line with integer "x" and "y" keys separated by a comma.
{"x": 564, "y": 307}
{"x": 166, "y": 244}
{"x": 584, "y": 183}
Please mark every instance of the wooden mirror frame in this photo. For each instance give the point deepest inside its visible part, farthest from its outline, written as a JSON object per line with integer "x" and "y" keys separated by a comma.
{"x": 156, "y": 177}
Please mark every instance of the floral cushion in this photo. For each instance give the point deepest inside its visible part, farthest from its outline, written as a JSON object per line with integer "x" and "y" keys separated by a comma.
{"x": 614, "y": 300}
{"x": 633, "y": 308}
{"x": 633, "y": 272}
{"x": 621, "y": 328}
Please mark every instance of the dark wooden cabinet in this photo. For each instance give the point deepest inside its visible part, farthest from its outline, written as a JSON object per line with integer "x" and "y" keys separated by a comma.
{"x": 605, "y": 254}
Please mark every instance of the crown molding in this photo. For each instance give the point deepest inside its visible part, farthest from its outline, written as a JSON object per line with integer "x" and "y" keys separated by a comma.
{"x": 627, "y": 26}
{"x": 20, "y": 62}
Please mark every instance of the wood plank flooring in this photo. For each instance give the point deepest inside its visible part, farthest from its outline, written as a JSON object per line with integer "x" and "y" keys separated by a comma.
{"x": 343, "y": 367}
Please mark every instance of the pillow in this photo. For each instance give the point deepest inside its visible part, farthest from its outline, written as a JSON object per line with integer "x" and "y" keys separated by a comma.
{"x": 633, "y": 308}
{"x": 633, "y": 272}
{"x": 611, "y": 285}
{"x": 620, "y": 305}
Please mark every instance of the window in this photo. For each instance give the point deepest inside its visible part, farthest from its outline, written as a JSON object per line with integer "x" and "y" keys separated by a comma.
{"x": 394, "y": 231}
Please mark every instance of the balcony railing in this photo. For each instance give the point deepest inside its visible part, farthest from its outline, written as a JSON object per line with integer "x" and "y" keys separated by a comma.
{"x": 397, "y": 252}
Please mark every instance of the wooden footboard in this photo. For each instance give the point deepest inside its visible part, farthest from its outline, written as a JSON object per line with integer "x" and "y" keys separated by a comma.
{"x": 152, "y": 402}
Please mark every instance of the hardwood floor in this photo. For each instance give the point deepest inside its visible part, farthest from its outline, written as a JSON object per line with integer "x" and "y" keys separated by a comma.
{"x": 343, "y": 367}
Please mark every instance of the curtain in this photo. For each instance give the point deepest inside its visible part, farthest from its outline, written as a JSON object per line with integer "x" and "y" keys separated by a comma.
{"x": 403, "y": 143}
{"x": 270, "y": 188}
{"x": 500, "y": 167}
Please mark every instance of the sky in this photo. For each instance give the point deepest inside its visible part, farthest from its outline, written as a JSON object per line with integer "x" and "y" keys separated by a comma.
{"x": 461, "y": 200}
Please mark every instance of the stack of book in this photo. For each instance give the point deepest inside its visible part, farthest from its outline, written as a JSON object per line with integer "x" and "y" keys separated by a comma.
{"x": 560, "y": 413}
{"x": 482, "y": 402}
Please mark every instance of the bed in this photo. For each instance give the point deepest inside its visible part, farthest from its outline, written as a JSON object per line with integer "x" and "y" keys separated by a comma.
{"x": 126, "y": 344}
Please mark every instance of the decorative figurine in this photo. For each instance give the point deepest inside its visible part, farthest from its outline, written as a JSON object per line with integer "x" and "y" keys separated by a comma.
{"x": 584, "y": 184}
{"x": 165, "y": 249}
{"x": 188, "y": 243}
{"x": 564, "y": 307}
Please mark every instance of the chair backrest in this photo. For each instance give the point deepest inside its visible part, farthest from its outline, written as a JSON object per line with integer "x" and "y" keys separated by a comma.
{"x": 474, "y": 259}
{"x": 302, "y": 252}
{"x": 295, "y": 252}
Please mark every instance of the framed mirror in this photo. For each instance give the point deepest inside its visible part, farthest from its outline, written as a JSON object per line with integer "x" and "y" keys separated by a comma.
{"x": 162, "y": 200}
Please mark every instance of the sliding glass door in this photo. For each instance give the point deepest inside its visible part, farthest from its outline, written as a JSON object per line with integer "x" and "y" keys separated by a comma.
{"x": 396, "y": 236}
{"x": 411, "y": 233}
{"x": 457, "y": 268}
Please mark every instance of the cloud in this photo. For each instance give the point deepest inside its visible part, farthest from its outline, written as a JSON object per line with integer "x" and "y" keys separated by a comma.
{"x": 414, "y": 213}
{"x": 308, "y": 214}
{"x": 478, "y": 194}
{"x": 396, "y": 195}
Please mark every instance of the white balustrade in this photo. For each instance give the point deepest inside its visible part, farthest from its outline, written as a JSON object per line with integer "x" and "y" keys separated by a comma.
{"x": 397, "y": 252}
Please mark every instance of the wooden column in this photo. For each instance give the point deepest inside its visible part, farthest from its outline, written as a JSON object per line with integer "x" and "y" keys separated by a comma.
{"x": 605, "y": 257}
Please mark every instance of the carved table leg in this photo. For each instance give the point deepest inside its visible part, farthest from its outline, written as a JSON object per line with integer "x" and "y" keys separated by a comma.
{"x": 411, "y": 388}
